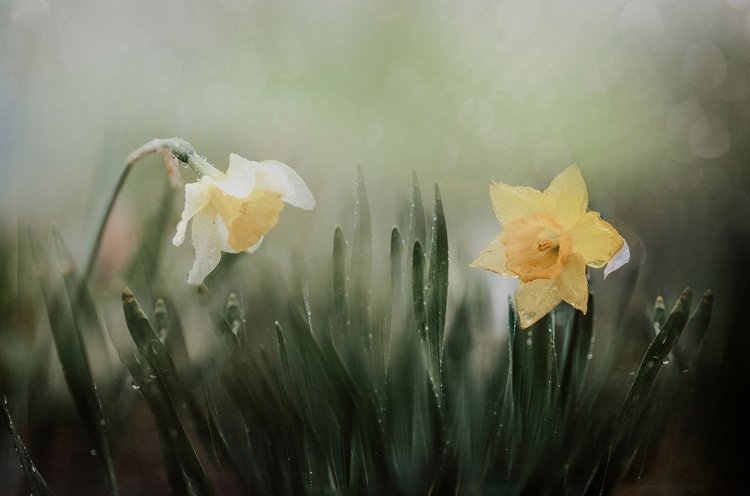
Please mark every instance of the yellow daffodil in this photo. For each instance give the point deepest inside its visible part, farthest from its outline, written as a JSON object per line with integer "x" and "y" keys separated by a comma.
{"x": 548, "y": 239}
{"x": 232, "y": 211}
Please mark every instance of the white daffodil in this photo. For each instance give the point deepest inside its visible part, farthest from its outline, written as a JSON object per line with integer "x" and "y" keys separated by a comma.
{"x": 232, "y": 211}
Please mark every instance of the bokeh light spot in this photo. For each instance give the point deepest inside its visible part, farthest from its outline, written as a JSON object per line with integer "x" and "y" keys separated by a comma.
{"x": 736, "y": 86}
{"x": 704, "y": 65}
{"x": 476, "y": 116}
{"x": 715, "y": 139}
{"x": 717, "y": 21}
{"x": 501, "y": 137}
{"x": 640, "y": 20}
{"x": 682, "y": 120}
{"x": 551, "y": 156}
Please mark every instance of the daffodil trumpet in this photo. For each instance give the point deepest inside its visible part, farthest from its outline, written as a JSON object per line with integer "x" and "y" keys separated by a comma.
{"x": 548, "y": 239}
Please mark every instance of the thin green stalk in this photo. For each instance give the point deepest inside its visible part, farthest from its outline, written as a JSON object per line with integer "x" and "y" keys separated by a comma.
{"x": 180, "y": 150}
{"x": 103, "y": 222}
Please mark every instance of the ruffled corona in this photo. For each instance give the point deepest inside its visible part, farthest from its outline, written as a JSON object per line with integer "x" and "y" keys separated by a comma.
{"x": 548, "y": 239}
{"x": 232, "y": 211}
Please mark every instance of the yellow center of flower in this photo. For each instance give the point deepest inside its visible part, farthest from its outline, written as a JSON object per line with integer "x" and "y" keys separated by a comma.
{"x": 247, "y": 219}
{"x": 535, "y": 247}
{"x": 543, "y": 243}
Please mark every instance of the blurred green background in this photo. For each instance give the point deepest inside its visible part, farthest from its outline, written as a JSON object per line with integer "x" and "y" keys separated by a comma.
{"x": 650, "y": 98}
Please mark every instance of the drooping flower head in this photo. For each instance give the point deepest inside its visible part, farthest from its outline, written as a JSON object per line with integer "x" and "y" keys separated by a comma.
{"x": 548, "y": 239}
{"x": 232, "y": 211}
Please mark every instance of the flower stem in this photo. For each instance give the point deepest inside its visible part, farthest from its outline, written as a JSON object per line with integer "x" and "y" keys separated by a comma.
{"x": 182, "y": 151}
{"x": 202, "y": 167}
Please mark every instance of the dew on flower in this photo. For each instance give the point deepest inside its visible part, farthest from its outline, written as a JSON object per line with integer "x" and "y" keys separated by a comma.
{"x": 244, "y": 326}
{"x": 548, "y": 239}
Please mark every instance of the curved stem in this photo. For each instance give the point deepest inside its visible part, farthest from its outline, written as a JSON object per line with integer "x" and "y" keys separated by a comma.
{"x": 103, "y": 222}
{"x": 180, "y": 149}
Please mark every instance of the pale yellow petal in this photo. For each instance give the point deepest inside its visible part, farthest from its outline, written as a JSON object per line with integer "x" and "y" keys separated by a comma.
{"x": 196, "y": 198}
{"x": 239, "y": 180}
{"x": 493, "y": 257}
{"x": 596, "y": 240}
{"x": 571, "y": 283}
{"x": 567, "y": 198}
{"x": 515, "y": 202}
{"x": 536, "y": 299}
{"x": 241, "y": 168}
{"x": 224, "y": 235}
{"x": 281, "y": 178}
{"x": 207, "y": 243}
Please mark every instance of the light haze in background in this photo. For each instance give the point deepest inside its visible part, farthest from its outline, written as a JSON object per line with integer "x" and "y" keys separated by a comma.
{"x": 650, "y": 98}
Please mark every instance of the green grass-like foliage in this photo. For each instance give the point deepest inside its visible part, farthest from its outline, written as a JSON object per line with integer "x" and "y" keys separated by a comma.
{"x": 370, "y": 388}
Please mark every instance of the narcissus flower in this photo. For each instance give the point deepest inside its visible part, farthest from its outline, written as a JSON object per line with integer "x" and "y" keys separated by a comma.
{"x": 548, "y": 239}
{"x": 232, "y": 211}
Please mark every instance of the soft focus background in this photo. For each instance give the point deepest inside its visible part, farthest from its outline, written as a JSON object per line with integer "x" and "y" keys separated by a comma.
{"x": 650, "y": 98}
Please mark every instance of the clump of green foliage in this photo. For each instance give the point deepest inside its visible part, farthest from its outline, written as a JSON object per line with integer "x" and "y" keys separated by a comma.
{"x": 359, "y": 387}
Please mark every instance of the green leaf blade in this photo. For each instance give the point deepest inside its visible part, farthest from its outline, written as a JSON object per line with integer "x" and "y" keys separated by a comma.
{"x": 66, "y": 315}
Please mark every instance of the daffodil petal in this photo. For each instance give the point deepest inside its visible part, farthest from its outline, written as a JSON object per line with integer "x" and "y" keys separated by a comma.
{"x": 493, "y": 258}
{"x": 621, "y": 258}
{"x": 240, "y": 178}
{"x": 571, "y": 283}
{"x": 196, "y": 197}
{"x": 221, "y": 226}
{"x": 207, "y": 243}
{"x": 281, "y": 178}
{"x": 514, "y": 202}
{"x": 536, "y": 299}
{"x": 595, "y": 239}
{"x": 567, "y": 198}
